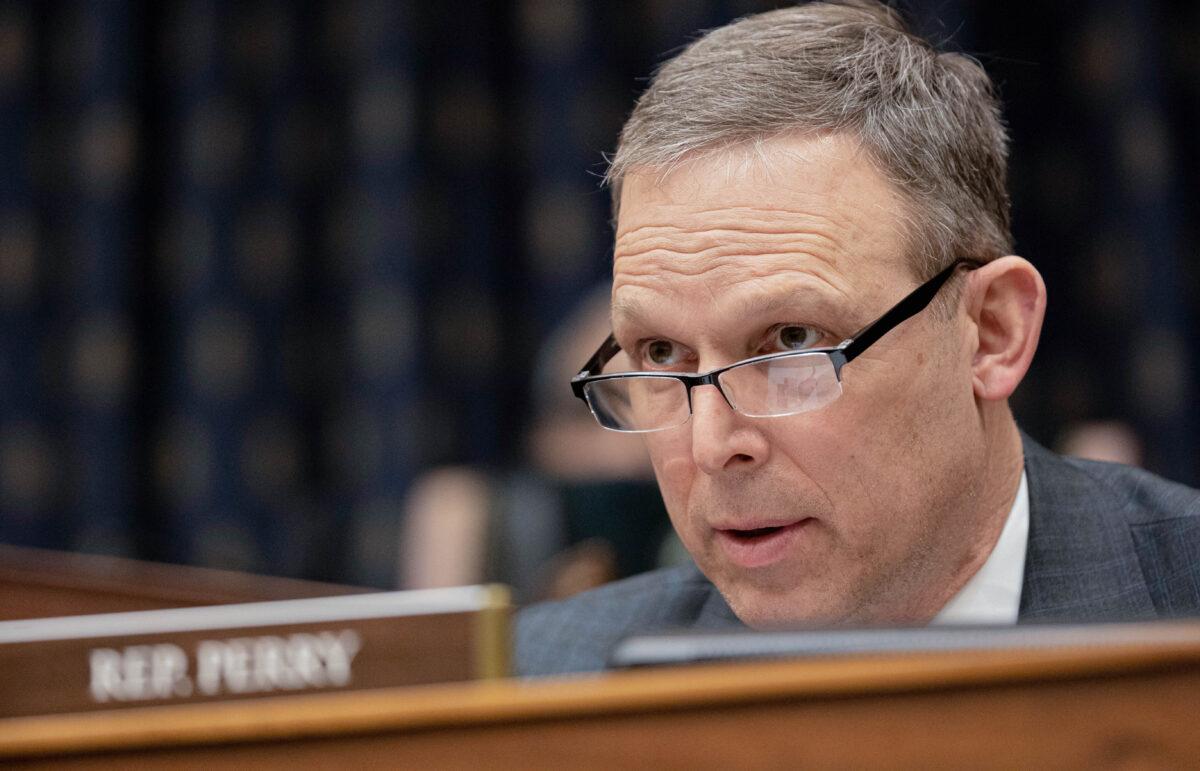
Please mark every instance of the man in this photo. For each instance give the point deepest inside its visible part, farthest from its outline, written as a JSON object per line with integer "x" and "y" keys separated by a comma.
{"x": 820, "y": 188}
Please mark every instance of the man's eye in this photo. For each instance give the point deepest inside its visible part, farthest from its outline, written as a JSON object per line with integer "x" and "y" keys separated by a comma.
{"x": 661, "y": 352}
{"x": 794, "y": 337}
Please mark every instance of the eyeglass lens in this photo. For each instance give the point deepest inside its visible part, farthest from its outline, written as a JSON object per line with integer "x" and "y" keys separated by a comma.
{"x": 638, "y": 403}
{"x": 771, "y": 388}
{"x": 783, "y": 386}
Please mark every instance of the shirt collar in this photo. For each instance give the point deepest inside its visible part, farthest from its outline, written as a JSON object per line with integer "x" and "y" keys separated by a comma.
{"x": 993, "y": 594}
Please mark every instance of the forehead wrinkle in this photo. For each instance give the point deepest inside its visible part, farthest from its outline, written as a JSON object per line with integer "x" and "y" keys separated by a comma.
{"x": 702, "y": 247}
{"x": 700, "y": 254}
{"x": 719, "y": 270}
{"x": 736, "y": 224}
{"x": 740, "y": 215}
{"x": 725, "y": 264}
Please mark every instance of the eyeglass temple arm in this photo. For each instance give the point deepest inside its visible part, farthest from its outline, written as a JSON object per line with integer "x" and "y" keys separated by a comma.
{"x": 902, "y": 311}
{"x": 608, "y": 349}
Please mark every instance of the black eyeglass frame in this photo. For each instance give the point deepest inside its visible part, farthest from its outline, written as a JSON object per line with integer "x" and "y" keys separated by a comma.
{"x": 840, "y": 355}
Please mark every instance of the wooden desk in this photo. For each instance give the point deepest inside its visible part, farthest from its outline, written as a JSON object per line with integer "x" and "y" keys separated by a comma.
{"x": 1082, "y": 708}
{"x": 38, "y": 583}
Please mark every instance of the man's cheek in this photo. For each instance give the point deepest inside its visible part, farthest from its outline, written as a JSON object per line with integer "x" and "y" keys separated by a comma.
{"x": 674, "y": 474}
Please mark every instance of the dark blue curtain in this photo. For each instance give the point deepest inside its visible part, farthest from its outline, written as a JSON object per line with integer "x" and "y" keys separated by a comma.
{"x": 1103, "y": 99}
{"x": 261, "y": 262}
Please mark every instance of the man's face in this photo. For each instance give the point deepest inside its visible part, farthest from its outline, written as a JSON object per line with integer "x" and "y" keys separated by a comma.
{"x": 850, "y": 514}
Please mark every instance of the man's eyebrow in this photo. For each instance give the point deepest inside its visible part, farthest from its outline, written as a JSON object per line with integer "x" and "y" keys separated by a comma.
{"x": 802, "y": 298}
{"x": 631, "y": 310}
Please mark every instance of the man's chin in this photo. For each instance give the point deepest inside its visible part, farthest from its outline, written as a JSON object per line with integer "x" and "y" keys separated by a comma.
{"x": 765, "y": 609}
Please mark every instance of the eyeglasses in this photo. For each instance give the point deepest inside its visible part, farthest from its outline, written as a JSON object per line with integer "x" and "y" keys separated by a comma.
{"x": 768, "y": 386}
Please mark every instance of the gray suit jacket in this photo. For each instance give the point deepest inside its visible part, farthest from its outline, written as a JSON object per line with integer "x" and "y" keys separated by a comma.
{"x": 1106, "y": 542}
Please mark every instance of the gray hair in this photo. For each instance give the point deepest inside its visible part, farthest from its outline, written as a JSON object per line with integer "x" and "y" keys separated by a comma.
{"x": 929, "y": 121}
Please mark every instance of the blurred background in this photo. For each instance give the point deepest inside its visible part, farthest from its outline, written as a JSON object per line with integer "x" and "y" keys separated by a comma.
{"x": 296, "y": 288}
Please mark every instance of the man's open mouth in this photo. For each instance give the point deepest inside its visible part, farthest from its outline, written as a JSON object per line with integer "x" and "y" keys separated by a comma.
{"x": 758, "y": 532}
{"x": 760, "y": 546}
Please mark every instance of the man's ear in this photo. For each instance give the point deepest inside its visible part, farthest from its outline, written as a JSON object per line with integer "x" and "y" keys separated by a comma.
{"x": 1006, "y": 300}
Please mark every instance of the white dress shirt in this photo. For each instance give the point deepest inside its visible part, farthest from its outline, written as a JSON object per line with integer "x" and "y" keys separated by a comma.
{"x": 993, "y": 595}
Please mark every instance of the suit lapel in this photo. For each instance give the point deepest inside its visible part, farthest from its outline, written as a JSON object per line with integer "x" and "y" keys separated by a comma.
{"x": 1081, "y": 563}
{"x": 712, "y": 611}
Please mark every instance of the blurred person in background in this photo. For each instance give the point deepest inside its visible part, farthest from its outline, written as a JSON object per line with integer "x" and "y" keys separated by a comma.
{"x": 1109, "y": 441}
{"x": 818, "y": 321}
{"x": 581, "y": 510}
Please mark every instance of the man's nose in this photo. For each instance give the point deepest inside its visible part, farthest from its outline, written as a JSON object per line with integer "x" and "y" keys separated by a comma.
{"x": 723, "y": 440}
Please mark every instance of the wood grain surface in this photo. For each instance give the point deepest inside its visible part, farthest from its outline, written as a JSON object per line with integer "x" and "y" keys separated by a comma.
{"x": 1080, "y": 708}
{"x": 38, "y": 583}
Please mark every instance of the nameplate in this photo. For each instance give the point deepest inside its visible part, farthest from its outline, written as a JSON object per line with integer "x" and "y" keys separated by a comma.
{"x": 116, "y": 660}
